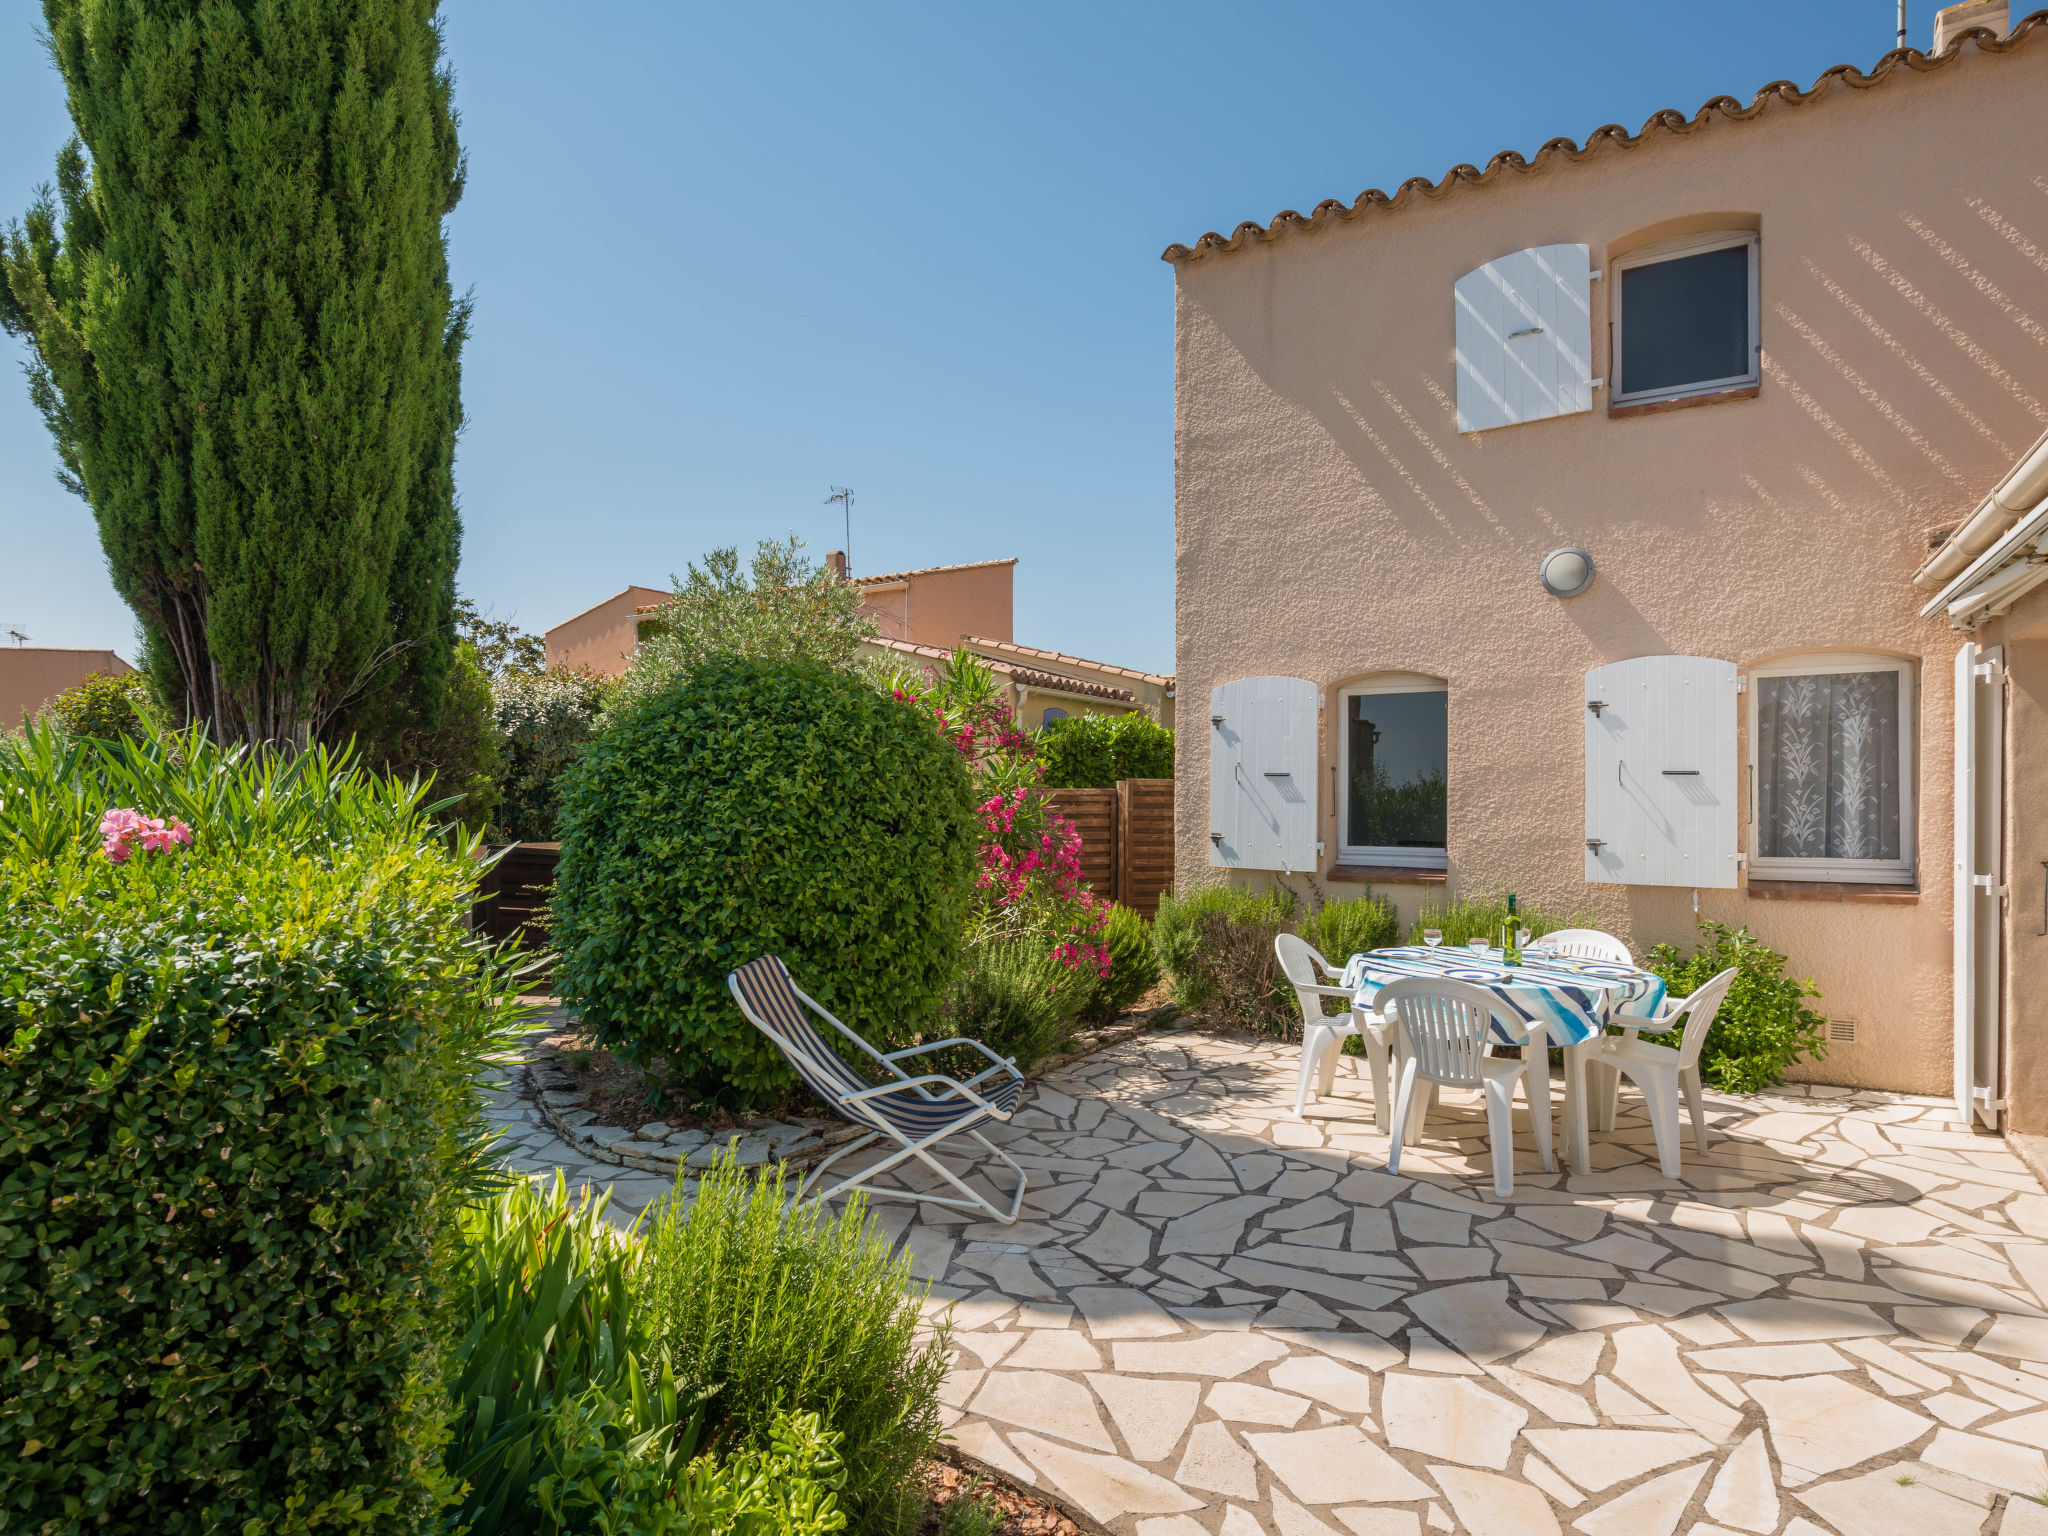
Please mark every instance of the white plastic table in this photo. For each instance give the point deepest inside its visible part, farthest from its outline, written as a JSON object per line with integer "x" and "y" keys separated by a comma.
{"x": 1560, "y": 1000}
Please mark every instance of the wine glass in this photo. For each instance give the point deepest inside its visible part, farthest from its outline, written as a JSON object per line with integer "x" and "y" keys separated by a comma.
{"x": 1432, "y": 937}
{"x": 1477, "y": 945}
{"x": 1522, "y": 937}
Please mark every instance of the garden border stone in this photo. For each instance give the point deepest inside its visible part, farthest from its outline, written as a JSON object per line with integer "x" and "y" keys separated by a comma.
{"x": 800, "y": 1141}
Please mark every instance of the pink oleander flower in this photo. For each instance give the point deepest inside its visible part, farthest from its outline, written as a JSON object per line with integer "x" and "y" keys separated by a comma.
{"x": 122, "y": 829}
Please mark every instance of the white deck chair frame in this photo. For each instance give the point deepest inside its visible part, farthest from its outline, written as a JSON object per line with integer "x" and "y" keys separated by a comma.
{"x": 1323, "y": 1035}
{"x": 1444, "y": 1026}
{"x": 886, "y": 1109}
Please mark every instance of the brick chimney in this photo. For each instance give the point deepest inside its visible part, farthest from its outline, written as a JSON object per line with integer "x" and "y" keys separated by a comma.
{"x": 1954, "y": 20}
{"x": 836, "y": 562}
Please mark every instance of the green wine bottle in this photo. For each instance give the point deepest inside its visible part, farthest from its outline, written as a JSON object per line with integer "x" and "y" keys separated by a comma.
{"x": 1510, "y": 950}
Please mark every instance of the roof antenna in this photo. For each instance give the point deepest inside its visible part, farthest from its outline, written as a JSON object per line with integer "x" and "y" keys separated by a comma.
{"x": 844, "y": 494}
{"x": 1902, "y": 23}
{"x": 15, "y": 634}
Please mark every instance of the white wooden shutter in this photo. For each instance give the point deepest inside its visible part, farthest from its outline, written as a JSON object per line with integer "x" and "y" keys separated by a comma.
{"x": 1525, "y": 338}
{"x": 1262, "y": 774}
{"x": 1980, "y": 750}
{"x": 1661, "y": 772}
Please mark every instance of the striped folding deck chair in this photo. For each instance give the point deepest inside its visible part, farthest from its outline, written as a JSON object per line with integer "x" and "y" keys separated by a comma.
{"x": 906, "y": 1111}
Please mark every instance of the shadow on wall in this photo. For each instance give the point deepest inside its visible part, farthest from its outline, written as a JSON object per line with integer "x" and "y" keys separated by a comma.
{"x": 1899, "y": 362}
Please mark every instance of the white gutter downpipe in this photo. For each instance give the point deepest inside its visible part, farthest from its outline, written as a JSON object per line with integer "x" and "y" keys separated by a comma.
{"x": 2016, "y": 495}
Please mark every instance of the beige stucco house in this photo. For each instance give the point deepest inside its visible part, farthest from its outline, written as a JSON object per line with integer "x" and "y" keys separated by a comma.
{"x": 921, "y": 617}
{"x": 32, "y": 675}
{"x": 1587, "y": 526}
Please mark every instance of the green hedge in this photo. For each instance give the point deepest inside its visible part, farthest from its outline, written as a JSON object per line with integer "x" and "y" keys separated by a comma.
{"x": 1763, "y": 1025}
{"x": 239, "y": 1118}
{"x": 546, "y": 719}
{"x": 760, "y": 807}
{"x": 1095, "y": 751}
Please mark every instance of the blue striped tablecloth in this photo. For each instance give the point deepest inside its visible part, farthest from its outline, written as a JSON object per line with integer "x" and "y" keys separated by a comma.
{"x": 1574, "y": 1000}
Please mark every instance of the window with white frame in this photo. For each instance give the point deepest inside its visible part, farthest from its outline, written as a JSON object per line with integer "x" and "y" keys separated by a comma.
{"x": 1685, "y": 318}
{"x": 1393, "y": 750}
{"x": 1831, "y": 759}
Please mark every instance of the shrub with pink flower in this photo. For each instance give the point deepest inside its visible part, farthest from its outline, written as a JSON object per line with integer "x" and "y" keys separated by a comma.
{"x": 122, "y": 831}
{"x": 1030, "y": 875}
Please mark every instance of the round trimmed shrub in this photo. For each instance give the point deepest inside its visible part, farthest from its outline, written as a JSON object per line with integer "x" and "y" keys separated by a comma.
{"x": 760, "y": 807}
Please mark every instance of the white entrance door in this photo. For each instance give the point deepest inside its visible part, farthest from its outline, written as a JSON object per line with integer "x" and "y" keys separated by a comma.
{"x": 1979, "y": 888}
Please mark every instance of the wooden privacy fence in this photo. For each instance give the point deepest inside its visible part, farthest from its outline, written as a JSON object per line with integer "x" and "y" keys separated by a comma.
{"x": 1126, "y": 839}
{"x": 509, "y": 897}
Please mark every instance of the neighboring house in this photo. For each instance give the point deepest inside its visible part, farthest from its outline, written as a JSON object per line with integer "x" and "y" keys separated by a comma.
{"x": 1149, "y": 691}
{"x": 31, "y": 676}
{"x": 1039, "y": 695}
{"x": 920, "y": 617}
{"x": 603, "y": 639}
{"x": 939, "y": 604}
{"x": 1556, "y": 527}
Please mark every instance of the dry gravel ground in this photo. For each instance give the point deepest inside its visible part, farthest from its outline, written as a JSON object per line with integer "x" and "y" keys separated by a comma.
{"x": 1217, "y": 1320}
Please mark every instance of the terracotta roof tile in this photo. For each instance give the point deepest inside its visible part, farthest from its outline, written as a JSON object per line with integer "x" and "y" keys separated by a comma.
{"x": 1030, "y": 677}
{"x": 1159, "y": 679}
{"x": 1670, "y": 120}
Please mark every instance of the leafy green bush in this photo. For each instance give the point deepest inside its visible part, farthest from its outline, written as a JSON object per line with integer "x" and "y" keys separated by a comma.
{"x": 782, "y": 608}
{"x": 1095, "y": 751}
{"x": 596, "y": 1485}
{"x": 1014, "y": 998}
{"x": 760, "y": 807}
{"x": 1216, "y": 942}
{"x": 1763, "y": 1025}
{"x": 1480, "y": 917}
{"x": 549, "y": 1321}
{"x": 546, "y": 720}
{"x": 240, "y": 1120}
{"x": 1341, "y": 929}
{"x": 1133, "y": 965}
{"x": 53, "y": 792}
{"x": 457, "y": 748}
{"x": 791, "y": 1309}
{"x": 106, "y": 705}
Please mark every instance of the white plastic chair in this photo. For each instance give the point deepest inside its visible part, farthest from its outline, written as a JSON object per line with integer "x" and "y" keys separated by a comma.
{"x": 1661, "y": 1072}
{"x": 1322, "y": 1036}
{"x": 1443, "y": 1026}
{"x": 1587, "y": 944}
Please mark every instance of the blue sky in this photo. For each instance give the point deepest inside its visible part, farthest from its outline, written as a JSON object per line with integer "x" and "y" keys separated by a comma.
{"x": 725, "y": 258}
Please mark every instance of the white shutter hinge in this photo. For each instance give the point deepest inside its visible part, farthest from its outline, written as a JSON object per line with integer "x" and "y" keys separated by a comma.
{"x": 1319, "y": 848}
{"x": 1982, "y": 1098}
{"x": 1742, "y": 861}
{"x": 1982, "y": 882}
{"x": 1741, "y": 683}
{"x": 1594, "y": 275}
{"x": 1985, "y": 669}
{"x": 1596, "y": 384}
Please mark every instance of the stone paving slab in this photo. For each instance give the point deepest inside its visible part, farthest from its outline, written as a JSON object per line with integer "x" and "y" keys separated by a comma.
{"x": 1217, "y": 1320}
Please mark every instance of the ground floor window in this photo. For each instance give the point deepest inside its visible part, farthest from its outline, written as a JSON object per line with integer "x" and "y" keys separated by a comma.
{"x": 1831, "y": 760}
{"x": 1393, "y": 750}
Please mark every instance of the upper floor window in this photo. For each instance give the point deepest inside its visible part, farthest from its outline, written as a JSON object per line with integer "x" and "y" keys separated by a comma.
{"x": 1831, "y": 748}
{"x": 1685, "y": 319}
{"x": 1393, "y": 753}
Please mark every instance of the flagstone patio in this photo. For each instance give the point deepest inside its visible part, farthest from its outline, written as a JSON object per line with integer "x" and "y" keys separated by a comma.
{"x": 1217, "y": 1320}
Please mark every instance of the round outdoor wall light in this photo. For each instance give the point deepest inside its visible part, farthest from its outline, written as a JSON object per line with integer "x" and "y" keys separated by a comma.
{"x": 1566, "y": 572}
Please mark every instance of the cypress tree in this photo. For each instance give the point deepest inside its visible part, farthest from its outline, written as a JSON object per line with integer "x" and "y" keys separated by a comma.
{"x": 243, "y": 339}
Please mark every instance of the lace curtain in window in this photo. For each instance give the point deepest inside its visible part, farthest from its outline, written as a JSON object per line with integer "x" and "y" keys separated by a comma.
{"x": 1828, "y": 766}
